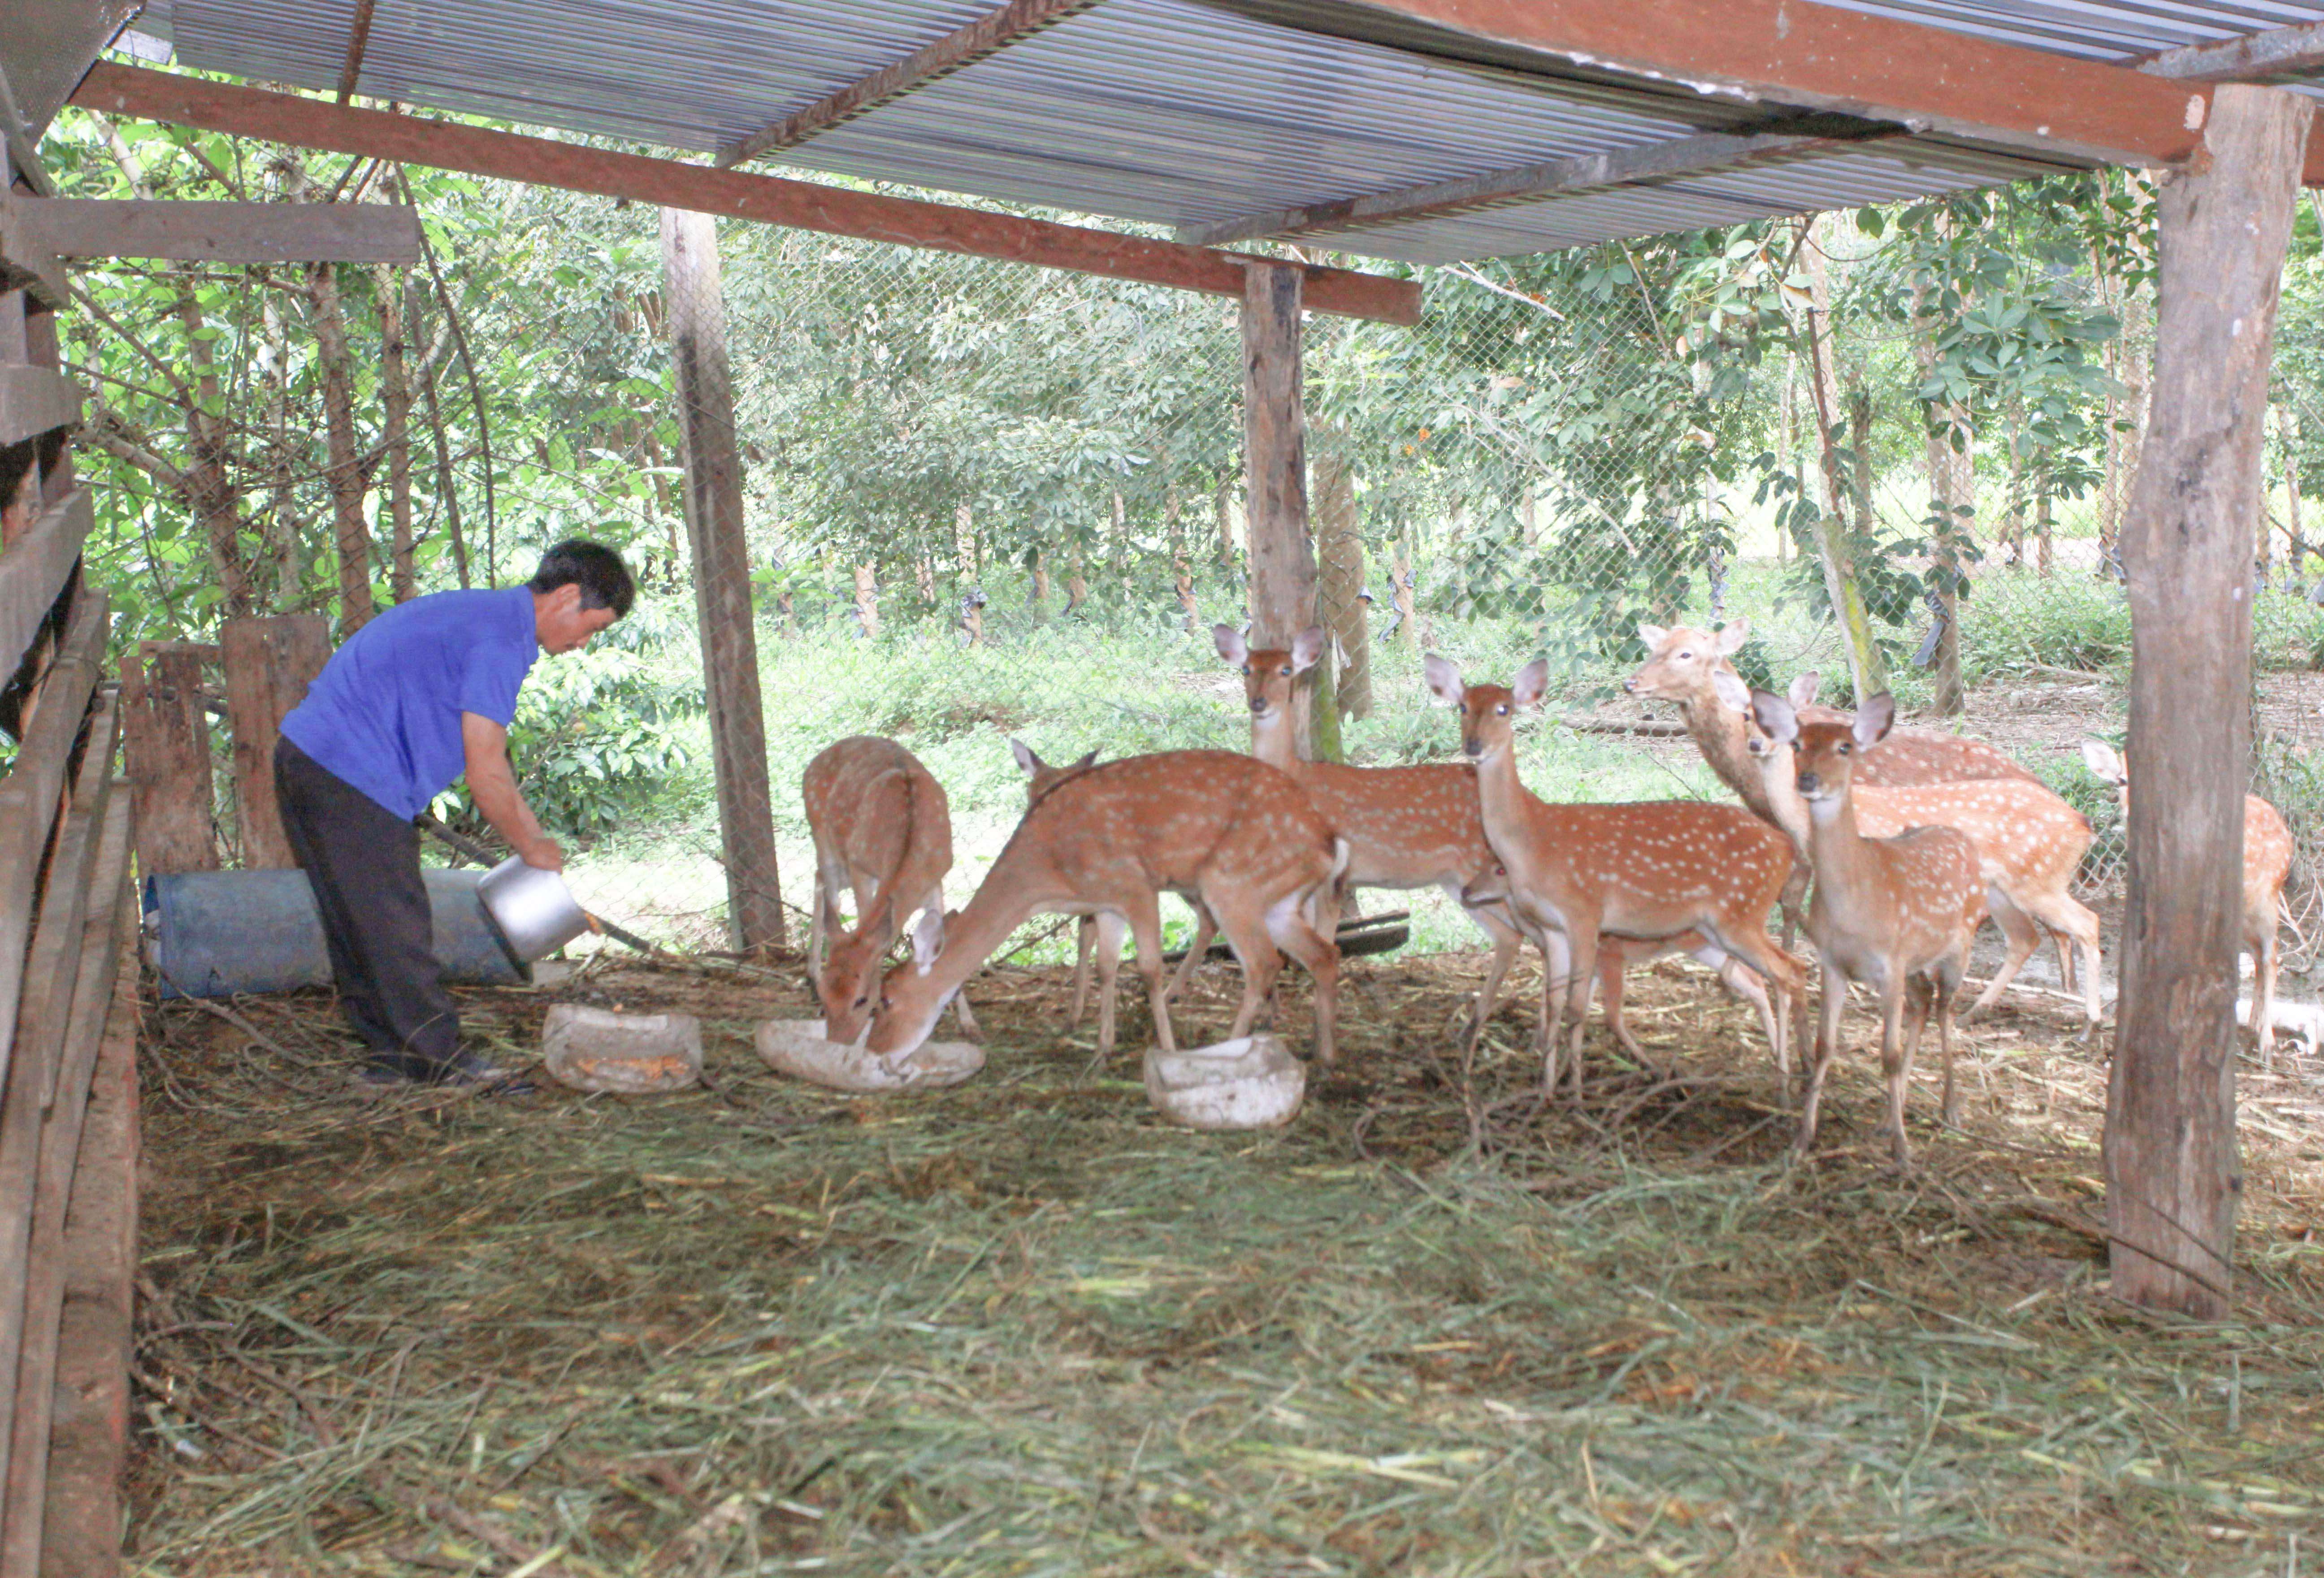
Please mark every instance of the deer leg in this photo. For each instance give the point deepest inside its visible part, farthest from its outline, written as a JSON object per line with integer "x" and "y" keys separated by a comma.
{"x": 1294, "y": 934}
{"x": 1614, "y": 961}
{"x": 2262, "y": 942}
{"x": 1583, "y": 982}
{"x": 1206, "y": 927}
{"x": 814, "y": 925}
{"x": 1835, "y": 997}
{"x": 1896, "y": 1066}
{"x": 1145, "y": 919}
{"x": 1556, "y": 968}
{"x": 1945, "y": 986}
{"x": 966, "y": 1015}
{"x": 1104, "y": 931}
{"x": 1085, "y": 940}
{"x": 1778, "y": 979}
{"x": 1507, "y": 941}
{"x": 2067, "y": 918}
{"x": 2018, "y": 925}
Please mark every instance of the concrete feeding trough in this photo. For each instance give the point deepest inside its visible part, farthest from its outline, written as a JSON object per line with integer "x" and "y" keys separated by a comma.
{"x": 797, "y": 1047}
{"x": 624, "y": 1054}
{"x": 1250, "y": 1082}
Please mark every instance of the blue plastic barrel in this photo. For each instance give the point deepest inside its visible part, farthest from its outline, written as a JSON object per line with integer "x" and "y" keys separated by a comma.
{"x": 214, "y": 934}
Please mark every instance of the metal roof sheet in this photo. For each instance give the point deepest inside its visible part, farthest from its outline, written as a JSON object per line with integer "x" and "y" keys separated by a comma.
{"x": 1174, "y": 112}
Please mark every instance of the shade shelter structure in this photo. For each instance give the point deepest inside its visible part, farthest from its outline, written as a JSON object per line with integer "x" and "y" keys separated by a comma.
{"x": 1226, "y": 148}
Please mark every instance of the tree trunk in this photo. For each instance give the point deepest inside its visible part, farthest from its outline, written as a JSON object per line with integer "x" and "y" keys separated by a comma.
{"x": 395, "y": 434}
{"x": 1952, "y": 505}
{"x": 867, "y": 599}
{"x": 1339, "y": 578}
{"x": 1226, "y": 525}
{"x": 2296, "y": 544}
{"x": 352, "y": 530}
{"x": 697, "y": 316}
{"x": 451, "y": 494}
{"x": 1040, "y": 597}
{"x": 1275, "y": 459}
{"x": 2041, "y": 507}
{"x": 1868, "y": 669}
{"x": 1407, "y": 613}
{"x": 1076, "y": 583}
{"x": 2170, "y": 1147}
{"x": 964, "y": 543}
{"x": 2133, "y": 369}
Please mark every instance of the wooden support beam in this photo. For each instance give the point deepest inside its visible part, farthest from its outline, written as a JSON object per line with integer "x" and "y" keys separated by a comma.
{"x": 34, "y": 569}
{"x": 1274, "y": 470}
{"x": 167, "y": 732}
{"x": 96, "y": 978}
{"x": 88, "y": 1434}
{"x": 307, "y": 123}
{"x": 220, "y": 232}
{"x": 27, "y": 263}
{"x": 993, "y": 31}
{"x": 29, "y": 796}
{"x": 2280, "y": 51}
{"x": 35, "y": 400}
{"x": 1655, "y": 162}
{"x": 2170, "y": 1149}
{"x": 269, "y": 664}
{"x": 697, "y": 314}
{"x": 1808, "y": 56}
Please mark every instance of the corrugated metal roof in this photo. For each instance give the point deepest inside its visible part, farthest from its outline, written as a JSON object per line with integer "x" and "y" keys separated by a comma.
{"x": 1161, "y": 111}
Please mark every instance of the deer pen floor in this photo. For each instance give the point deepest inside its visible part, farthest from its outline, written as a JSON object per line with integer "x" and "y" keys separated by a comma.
{"x": 1021, "y": 1327}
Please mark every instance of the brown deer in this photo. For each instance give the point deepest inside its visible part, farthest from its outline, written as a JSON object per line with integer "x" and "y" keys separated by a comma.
{"x": 1893, "y": 912}
{"x": 1099, "y": 935}
{"x": 2267, "y": 862}
{"x": 882, "y": 828}
{"x": 2029, "y": 846}
{"x": 1109, "y": 839}
{"x": 1646, "y": 871}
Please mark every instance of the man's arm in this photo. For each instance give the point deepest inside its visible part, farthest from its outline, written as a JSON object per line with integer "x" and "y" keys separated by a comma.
{"x": 492, "y": 784}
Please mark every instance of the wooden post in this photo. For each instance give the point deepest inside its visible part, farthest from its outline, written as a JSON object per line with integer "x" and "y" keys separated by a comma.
{"x": 1868, "y": 670}
{"x": 1275, "y": 463}
{"x": 168, "y": 739}
{"x": 269, "y": 664}
{"x": 721, "y": 576}
{"x": 2170, "y": 1165}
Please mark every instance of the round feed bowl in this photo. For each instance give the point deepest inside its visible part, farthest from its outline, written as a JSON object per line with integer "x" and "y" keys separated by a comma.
{"x": 1253, "y": 1083}
{"x": 595, "y": 1049}
{"x": 797, "y": 1047}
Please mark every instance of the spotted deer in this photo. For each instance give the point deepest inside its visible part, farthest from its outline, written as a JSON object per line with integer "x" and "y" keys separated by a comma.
{"x": 1895, "y": 912}
{"x": 882, "y": 828}
{"x": 2029, "y": 846}
{"x": 1099, "y": 935}
{"x": 1107, "y": 840}
{"x": 1646, "y": 871}
{"x": 2267, "y": 862}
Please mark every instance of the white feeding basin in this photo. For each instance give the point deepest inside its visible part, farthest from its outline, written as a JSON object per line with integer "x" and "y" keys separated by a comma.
{"x": 1250, "y": 1082}
{"x": 626, "y": 1054}
{"x": 797, "y": 1047}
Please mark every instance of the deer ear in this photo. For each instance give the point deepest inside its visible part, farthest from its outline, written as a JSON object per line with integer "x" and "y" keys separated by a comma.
{"x": 1775, "y": 716}
{"x": 1803, "y": 689}
{"x": 1229, "y": 641}
{"x": 1654, "y": 635}
{"x": 1444, "y": 679}
{"x": 1732, "y": 635}
{"x": 928, "y": 938}
{"x": 1531, "y": 681}
{"x": 1028, "y": 761}
{"x": 1874, "y": 719}
{"x": 2103, "y": 760}
{"x": 1306, "y": 647}
{"x": 1088, "y": 758}
{"x": 1731, "y": 689}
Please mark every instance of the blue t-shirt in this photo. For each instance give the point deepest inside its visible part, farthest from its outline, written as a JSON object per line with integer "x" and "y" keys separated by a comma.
{"x": 385, "y": 714}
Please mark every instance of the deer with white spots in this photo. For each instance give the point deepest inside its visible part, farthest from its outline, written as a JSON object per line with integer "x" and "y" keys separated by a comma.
{"x": 1099, "y": 935}
{"x": 2267, "y": 862}
{"x": 2029, "y": 846}
{"x": 881, "y": 827}
{"x": 1649, "y": 873}
{"x": 1896, "y": 913}
{"x": 1107, "y": 840}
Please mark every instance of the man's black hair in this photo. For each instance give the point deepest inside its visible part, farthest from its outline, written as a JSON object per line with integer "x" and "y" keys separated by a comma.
{"x": 603, "y": 579}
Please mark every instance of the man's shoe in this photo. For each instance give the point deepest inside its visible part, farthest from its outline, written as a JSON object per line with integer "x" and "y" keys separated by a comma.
{"x": 389, "y": 1070}
{"x": 466, "y": 1070}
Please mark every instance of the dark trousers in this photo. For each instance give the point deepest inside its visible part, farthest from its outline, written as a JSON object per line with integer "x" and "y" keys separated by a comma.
{"x": 363, "y": 862}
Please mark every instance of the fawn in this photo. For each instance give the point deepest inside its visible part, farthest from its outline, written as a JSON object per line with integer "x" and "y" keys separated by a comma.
{"x": 1107, "y": 840}
{"x": 1650, "y": 872}
{"x": 2029, "y": 844}
{"x": 882, "y": 826}
{"x": 2267, "y": 862}
{"x": 1099, "y": 934}
{"x": 1890, "y": 912}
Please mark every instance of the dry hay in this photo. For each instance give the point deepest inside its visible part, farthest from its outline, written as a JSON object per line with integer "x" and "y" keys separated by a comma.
{"x": 1021, "y": 1328}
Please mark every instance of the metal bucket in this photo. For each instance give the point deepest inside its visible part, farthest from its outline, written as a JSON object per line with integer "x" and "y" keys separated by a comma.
{"x": 535, "y": 910}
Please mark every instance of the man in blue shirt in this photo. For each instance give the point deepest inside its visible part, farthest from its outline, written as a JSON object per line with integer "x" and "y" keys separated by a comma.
{"x": 420, "y": 696}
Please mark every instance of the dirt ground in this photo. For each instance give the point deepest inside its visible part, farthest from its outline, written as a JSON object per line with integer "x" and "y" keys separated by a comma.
{"x": 1432, "y": 1326}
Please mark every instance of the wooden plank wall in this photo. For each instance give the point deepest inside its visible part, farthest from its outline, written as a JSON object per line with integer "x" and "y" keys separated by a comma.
{"x": 67, "y": 977}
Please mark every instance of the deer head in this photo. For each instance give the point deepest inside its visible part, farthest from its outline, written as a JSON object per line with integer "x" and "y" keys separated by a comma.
{"x": 1488, "y": 712}
{"x": 1682, "y": 660}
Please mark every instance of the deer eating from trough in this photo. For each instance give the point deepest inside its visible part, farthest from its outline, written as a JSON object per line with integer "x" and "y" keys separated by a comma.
{"x": 2267, "y": 862}
{"x": 882, "y": 829}
{"x": 1896, "y": 913}
{"x": 1109, "y": 840}
{"x": 1650, "y": 871}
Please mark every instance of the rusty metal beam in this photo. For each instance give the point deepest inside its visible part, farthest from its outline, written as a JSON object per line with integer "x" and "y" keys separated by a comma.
{"x": 984, "y": 36}
{"x": 358, "y": 38}
{"x": 310, "y": 123}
